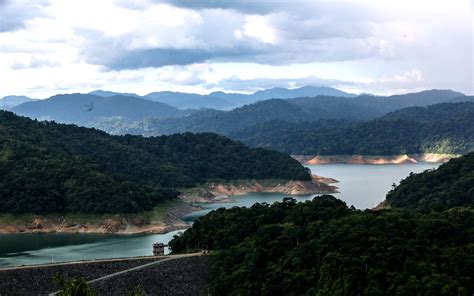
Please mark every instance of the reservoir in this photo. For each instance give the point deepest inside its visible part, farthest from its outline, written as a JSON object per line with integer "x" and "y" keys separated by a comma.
{"x": 363, "y": 186}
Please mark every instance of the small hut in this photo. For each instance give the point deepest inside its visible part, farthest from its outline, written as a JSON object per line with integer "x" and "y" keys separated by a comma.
{"x": 158, "y": 249}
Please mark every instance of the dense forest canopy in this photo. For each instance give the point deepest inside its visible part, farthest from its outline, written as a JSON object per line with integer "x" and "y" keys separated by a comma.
{"x": 322, "y": 247}
{"x": 50, "y": 167}
{"x": 451, "y": 185}
{"x": 331, "y": 125}
{"x": 307, "y": 125}
{"x": 440, "y": 128}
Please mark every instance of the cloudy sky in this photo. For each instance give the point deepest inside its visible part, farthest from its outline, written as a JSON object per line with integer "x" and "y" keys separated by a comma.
{"x": 381, "y": 47}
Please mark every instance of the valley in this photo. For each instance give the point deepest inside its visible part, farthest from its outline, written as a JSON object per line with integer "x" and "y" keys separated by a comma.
{"x": 166, "y": 216}
{"x": 241, "y": 148}
{"x": 87, "y": 191}
{"x": 363, "y": 186}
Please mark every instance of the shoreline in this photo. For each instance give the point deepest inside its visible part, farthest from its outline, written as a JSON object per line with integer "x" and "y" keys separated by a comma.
{"x": 122, "y": 224}
{"x": 165, "y": 218}
{"x": 374, "y": 159}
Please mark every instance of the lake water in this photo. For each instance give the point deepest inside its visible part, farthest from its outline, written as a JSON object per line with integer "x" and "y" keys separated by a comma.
{"x": 363, "y": 186}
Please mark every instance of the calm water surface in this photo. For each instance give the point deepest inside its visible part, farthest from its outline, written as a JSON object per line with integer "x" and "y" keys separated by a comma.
{"x": 363, "y": 186}
{"x": 24, "y": 249}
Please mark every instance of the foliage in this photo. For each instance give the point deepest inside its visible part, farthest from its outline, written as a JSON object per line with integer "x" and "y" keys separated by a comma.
{"x": 76, "y": 287}
{"x": 80, "y": 287}
{"x": 136, "y": 291}
{"x": 441, "y": 128}
{"x": 332, "y": 125}
{"x": 451, "y": 185}
{"x": 49, "y": 167}
{"x": 260, "y": 113}
{"x": 322, "y": 247}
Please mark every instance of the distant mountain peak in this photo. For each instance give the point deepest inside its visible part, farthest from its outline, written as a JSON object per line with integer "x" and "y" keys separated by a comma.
{"x": 105, "y": 93}
{"x": 9, "y": 102}
{"x": 227, "y": 100}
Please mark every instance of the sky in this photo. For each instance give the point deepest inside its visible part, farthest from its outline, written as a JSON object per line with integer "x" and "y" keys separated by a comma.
{"x": 381, "y": 47}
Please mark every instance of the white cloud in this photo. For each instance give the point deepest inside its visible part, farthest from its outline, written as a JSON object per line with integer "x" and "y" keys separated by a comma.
{"x": 155, "y": 44}
{"x": 257, "y": 27}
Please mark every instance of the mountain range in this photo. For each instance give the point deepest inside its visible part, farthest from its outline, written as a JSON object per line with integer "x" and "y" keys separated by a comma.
{"x": 88, "y": 110}
{"x": 98, "y": 106}
{"x": 325, "y": 125}
{"x": 307, "y": 109}
{"x": 227, "y": 101}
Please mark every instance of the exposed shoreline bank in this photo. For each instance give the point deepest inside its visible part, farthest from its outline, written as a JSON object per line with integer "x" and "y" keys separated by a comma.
{"x": 161, "y": 220}
{"x": 126, "y": 224}
{"x": 218, "y": 192}
{"x": 374, "y": 159}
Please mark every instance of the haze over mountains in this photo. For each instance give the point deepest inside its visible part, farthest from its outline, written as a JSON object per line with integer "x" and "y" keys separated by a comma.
{"x": 225, "y": 101}
{"x": 307, "y": 109}
{"x": 9, "y": 102}
{"x": 87, "y": 109}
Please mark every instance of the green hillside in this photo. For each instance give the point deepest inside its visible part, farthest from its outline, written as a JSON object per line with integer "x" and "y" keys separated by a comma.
{"x": 296, "y": 110}
{"x": 423, "y": 244}
{"x": 322, "y": 247}
{"x": 440, "y": 128}
{"x": 451, "y": 185}
{"x": 50, "y": 167}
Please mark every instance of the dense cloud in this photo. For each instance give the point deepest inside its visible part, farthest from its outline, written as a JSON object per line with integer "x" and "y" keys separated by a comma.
{"x": 252, "y": 85}
{"x": 361, "y": 43}
{"x": 273, "y": 37}
{"x": 14, "y": 13}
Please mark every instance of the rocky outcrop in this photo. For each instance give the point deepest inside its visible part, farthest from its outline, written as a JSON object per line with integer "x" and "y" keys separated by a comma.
{"x": 112, "y": 225}
{"x": 374, "y": 159}
{"x": 222, "y": 191}
{"x": 121, "y": 224}
{"x": 134, "y": 224}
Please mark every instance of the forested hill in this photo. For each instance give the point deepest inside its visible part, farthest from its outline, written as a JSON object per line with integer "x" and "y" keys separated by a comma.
{"x": 450, "y": 185}
{"x": 50, "y": 167}
{"x": 440, "y": 128}
{"x": 129, "y": 114}
{"x": 322, "y": 247}
{"x": 88, "y": 109}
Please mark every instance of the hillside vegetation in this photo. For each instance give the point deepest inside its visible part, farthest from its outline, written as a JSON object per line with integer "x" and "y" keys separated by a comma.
{"x": 322, "y": 247}
{"x": 422, "y": 245}
{"x": 50, "y": 167}
{"x": 451, "y": 185}
{"x": 303, "y": 109}
{"x": 440, "y": 128}
{"x": 332, "y": 125}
